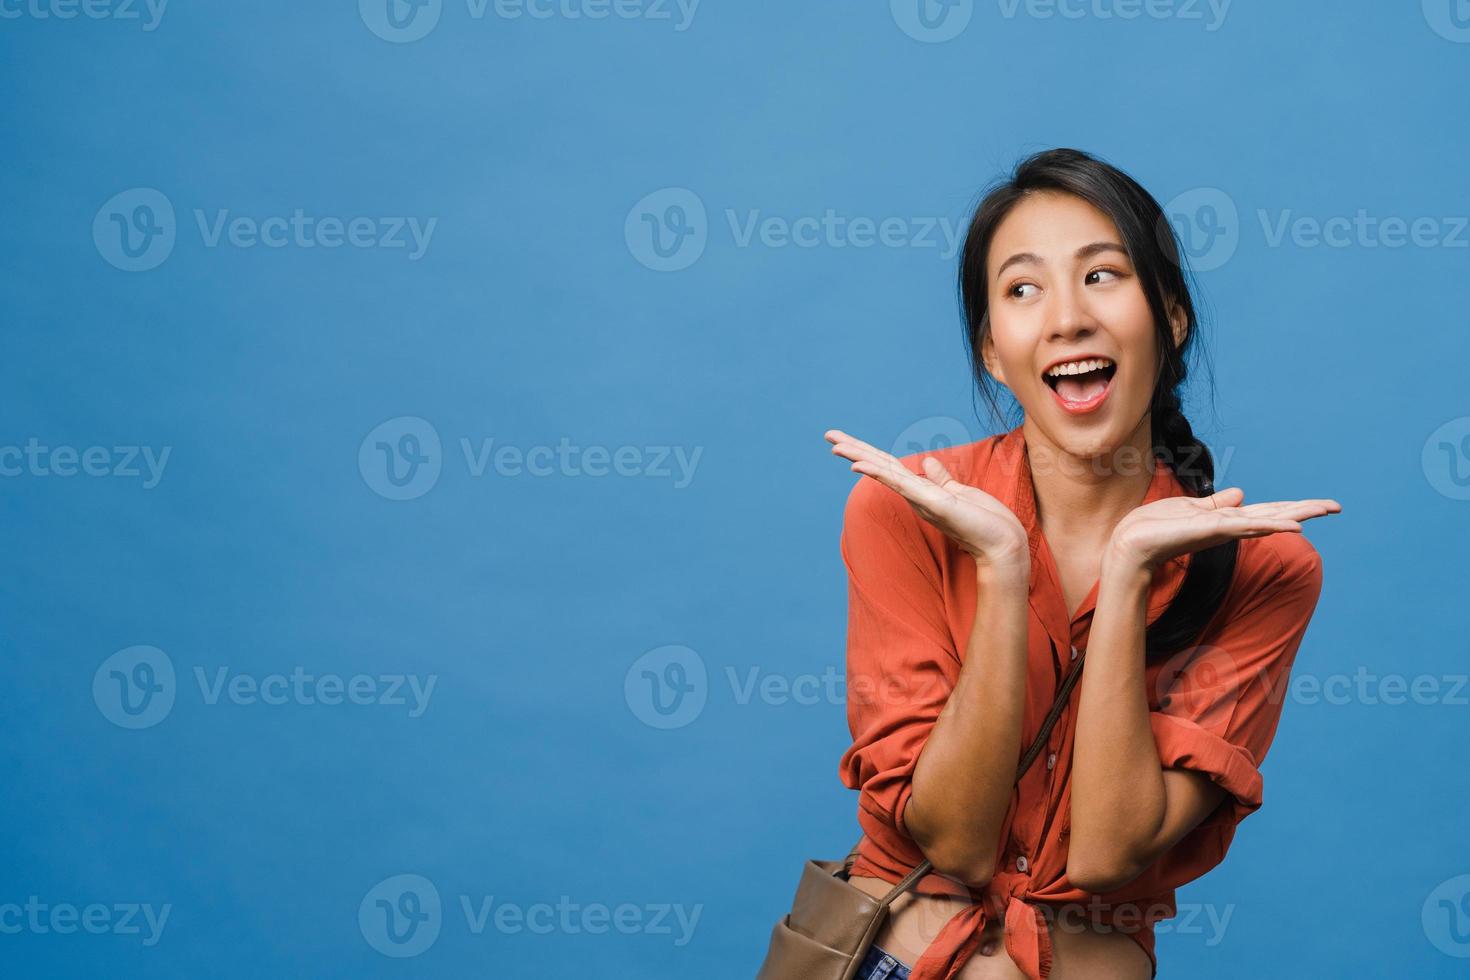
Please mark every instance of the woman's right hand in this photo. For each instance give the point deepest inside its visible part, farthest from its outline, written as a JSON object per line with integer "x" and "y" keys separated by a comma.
{"x": 981, "y": 525}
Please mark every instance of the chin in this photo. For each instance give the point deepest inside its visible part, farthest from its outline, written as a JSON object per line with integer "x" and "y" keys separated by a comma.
{"x": 1093, "y": 439}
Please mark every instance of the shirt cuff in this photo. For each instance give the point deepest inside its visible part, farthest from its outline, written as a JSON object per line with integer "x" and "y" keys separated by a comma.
{"x": 1183, "y": 744}
{"x": 888, "y": 805}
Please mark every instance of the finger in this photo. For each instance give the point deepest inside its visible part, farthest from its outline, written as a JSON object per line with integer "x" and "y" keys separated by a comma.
{"x": 880, "y": 459}
{"x": 1307, "y": 509}
{"x": 1274, "y": 508}
{"x": 1317, "y": 505}
{"x": 854, "y": 448}
{"x": 886, "y": 463}
{"x": 1295, "y": 509}
{"x": 904, "y": 481}
{"x": 1238, "y": 525}
{"x": 837, "y": 435}
{"x": 937, "y": 472}
{"x": 1229, "y": 497}
{"x": 932, "y": 503}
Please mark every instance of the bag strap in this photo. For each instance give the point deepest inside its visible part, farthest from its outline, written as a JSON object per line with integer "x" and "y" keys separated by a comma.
{"x": 1064, "y": 694}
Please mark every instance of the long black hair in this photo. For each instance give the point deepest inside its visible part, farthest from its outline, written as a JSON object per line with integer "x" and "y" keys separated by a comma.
{"x": 1158, "y": 260}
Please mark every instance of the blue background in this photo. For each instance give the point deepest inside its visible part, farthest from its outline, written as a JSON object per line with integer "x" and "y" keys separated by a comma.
{"x": 533, "y": 317}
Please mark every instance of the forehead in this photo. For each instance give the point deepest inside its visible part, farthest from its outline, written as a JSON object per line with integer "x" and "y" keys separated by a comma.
{"x": 1051, "y": 224}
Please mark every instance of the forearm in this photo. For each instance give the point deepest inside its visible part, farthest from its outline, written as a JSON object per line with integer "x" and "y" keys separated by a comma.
{"x": 964, "y": 777}
{"x": 1119, "y": 800}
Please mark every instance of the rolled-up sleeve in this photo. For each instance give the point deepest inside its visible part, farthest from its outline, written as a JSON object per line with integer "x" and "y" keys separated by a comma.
{"x": 901, "y": 658}
{"x": 1220, "y": 702}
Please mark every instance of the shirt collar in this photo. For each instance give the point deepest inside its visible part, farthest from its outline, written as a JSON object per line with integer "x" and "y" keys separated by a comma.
{"x": 1008, "y": 479}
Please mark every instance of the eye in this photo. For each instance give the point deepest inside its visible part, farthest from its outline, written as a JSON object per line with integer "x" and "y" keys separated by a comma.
{"x": 1011, "y": 292}
{"x": 1105, "y": 272}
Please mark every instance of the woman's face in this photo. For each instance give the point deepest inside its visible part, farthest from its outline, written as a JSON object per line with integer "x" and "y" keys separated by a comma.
{"x": 1071, "y": 334}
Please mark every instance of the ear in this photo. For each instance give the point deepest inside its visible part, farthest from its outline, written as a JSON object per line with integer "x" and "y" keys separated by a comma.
{"x": 1178, "y": 323}
{"x": 991, "y": 360}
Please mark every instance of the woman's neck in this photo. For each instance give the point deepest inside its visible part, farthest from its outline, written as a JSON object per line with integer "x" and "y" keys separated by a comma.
{"x": 1082, "y": 498}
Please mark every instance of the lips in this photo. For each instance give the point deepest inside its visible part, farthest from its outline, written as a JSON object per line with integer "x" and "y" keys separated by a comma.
{"x": 1081, "y": 384}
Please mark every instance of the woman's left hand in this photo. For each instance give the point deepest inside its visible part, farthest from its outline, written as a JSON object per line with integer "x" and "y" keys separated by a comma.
{"x": 1152, "y": 534}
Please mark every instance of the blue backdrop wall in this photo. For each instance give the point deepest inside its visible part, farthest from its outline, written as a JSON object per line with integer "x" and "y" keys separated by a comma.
{"x": 421, "y": 549}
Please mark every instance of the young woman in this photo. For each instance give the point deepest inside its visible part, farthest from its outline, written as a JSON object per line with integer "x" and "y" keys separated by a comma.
{"x": 980, "y": 575}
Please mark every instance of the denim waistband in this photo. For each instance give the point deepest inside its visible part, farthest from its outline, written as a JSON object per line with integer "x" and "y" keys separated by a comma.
{"x": 880, "y": 965}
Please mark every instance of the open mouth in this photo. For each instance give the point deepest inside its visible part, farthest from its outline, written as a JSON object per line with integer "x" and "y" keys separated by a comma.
{"x": 1083, "y": 384}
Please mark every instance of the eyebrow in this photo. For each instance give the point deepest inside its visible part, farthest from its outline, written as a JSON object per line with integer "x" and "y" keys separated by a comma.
{"x": 1086, "y": 251}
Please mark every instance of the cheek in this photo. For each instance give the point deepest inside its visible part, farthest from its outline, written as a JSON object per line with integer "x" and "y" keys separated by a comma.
{"x": 1014, "y": 342}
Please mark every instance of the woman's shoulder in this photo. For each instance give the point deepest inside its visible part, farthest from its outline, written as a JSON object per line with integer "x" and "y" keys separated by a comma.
{"x": 1286, "y": 560}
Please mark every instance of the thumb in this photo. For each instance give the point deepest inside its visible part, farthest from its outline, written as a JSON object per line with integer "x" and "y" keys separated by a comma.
{"x": 935, "y": 470}
{"x": 1229, "y": 497}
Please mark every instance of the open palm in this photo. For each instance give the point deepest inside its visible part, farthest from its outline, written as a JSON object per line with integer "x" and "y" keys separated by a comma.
{"x": 980, "y": 524}
{"x": 1167, "y": 528}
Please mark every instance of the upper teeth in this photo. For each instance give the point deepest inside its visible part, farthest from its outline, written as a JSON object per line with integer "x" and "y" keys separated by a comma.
{"x": 1079, "y": 367}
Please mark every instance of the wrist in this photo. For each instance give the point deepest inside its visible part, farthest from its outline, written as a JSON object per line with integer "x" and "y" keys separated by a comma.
{"x": 1119, "y": 568}
{"x": 1002, "y": 571}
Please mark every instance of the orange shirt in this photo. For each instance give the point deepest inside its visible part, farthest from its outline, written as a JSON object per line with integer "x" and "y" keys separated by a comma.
{"x": 1213, "y": 708}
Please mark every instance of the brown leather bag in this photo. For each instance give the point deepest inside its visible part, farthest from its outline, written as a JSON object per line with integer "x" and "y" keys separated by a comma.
{"x": 832, "y": 922}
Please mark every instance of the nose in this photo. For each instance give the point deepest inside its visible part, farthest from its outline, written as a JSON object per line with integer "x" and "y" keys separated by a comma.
{"x": 1071, "y": 319}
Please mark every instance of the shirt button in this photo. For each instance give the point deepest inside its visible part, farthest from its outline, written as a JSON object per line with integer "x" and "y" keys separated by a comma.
{"x": 1051, "y": 761}
{"x": 1022, "y": 864}
{"x": 1074, "y": 653}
